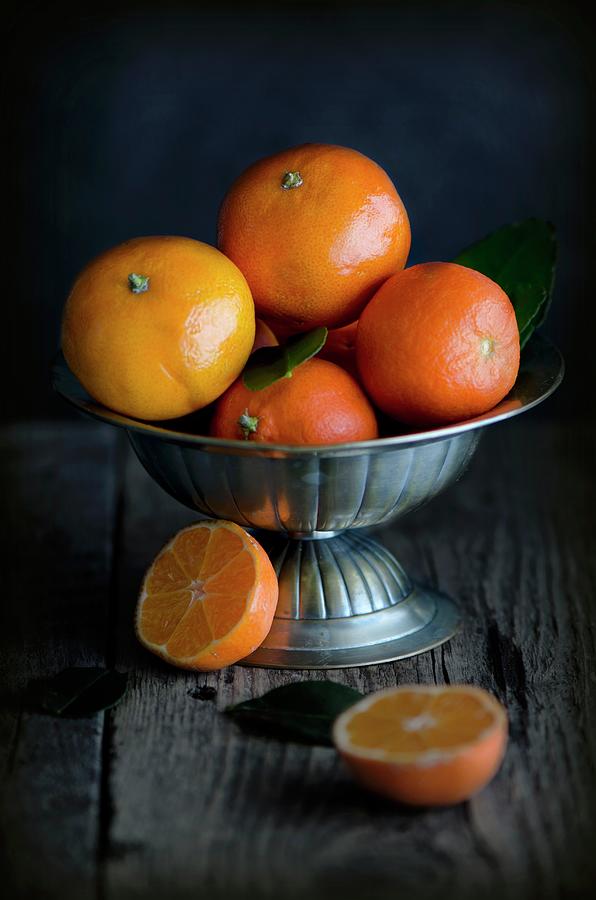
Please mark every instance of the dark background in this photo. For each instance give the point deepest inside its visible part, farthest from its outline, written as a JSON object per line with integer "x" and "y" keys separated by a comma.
{"x": 135, "y": 120}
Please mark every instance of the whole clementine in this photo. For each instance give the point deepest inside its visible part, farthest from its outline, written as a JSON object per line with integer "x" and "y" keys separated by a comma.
{"x": 438, "y": 343}
{"x": 158, "y": 327}
{"x": 319, "y": 404}
{"x": 316, "y": 230}
{"x": 340, "y": 348}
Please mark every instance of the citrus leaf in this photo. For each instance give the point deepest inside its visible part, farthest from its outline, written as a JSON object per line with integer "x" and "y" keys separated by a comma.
{"x": 268, "y": 364}
{"x": 303, "y": 710}
{"x": 77, "y": 691}
{"x": 521, "y": 259}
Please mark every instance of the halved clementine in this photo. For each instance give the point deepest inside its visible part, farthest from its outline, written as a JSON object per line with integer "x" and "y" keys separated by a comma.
{"x": 208, "y": 598}
{"x": 424, "y": 745}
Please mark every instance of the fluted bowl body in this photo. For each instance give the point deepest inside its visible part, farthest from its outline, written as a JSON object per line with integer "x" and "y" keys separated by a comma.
{"x": 314, "y": 491}
{"x": 306, "y": 494}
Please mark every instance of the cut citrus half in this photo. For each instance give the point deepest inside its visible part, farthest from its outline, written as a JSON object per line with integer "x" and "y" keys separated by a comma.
{"x": 208, "y": 598}
{"x": 424, "y": 745}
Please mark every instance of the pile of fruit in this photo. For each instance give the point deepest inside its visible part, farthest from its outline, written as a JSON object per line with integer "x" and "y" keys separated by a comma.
{"x": 301, "y": 328}
{"x": 312, "y": 244}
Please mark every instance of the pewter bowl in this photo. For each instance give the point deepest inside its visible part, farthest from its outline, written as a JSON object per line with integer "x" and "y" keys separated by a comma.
{"x": 344, "y": 599}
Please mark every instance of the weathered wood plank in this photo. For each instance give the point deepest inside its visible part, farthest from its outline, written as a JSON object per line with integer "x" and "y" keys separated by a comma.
{"x": 521, "y": 558}
{"x": 58, "y": 489}
{"x": 189, "y": 803}
{"x": 200, "y": 806}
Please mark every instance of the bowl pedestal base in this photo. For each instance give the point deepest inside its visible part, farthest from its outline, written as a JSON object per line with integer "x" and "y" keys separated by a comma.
{"x": 346, "y": 601}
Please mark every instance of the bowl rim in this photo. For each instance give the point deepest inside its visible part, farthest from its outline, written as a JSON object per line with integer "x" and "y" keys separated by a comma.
{"x": 541, "y": 371}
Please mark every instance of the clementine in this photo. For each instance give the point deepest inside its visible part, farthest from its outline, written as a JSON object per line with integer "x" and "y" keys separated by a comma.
{"x": 158, "y": 326}
{"x": 315, "y": 229}
{"x": 208, "y": 598}
{"x": 340, "y": 348}
{"x": 438, "y": 343}
{"x": 319, "y": 404}
{"x": 264, "y": 336}
{"x": 424, "y": 745}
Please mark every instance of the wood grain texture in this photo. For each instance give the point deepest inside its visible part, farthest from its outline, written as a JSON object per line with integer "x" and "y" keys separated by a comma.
{"x": 191, "y": 805}
{"x": 58, "y": 490}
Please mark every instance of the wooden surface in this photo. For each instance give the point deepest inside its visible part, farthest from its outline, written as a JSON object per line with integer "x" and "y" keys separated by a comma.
{"x": 165, "y": 797}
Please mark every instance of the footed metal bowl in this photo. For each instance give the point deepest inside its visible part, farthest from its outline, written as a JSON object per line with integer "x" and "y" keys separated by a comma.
{"x": 344, "y": 599}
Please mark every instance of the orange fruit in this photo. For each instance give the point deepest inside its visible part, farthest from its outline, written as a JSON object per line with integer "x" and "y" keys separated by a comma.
{"x": 315, "y": 229}
{"x": 340, "y": 348}
{"x": 208, "y": 598}
{"x": 282, "y": 330}
{"x": 264, "y": 336}
{"x": 319, "y": 404}
{"x": 158, "y": 327}
{"x": 438, "y": 343}
{"x": 422, "y": 745}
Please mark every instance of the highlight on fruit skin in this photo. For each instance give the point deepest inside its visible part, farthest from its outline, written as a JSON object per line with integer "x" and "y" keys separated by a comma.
{"x": 319, "y": 404}
{"x": 424, "y": 745}
{"x": 158, "y": 327}
{"x": 315, "y": 229}
{"x": 209, "y": 597}
{"x": 264, "y": 336}
{"x": 438, "y": 343}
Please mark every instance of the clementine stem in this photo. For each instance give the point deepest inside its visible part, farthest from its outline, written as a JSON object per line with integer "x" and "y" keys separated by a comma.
{"x": 138, "y": 283}
{"x": 291, "y": 180}
{"x": 248, "y": 424}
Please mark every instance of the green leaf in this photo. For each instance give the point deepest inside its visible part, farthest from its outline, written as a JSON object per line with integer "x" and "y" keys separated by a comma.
{"x": 268, "y": 364}
{"x": 77, "y": 692}
{"x": 304, "y": 710}
{"x": 521, "y": 259}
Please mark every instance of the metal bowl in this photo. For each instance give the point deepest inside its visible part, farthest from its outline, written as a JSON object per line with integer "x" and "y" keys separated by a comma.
{"x": 344, "y": 599}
